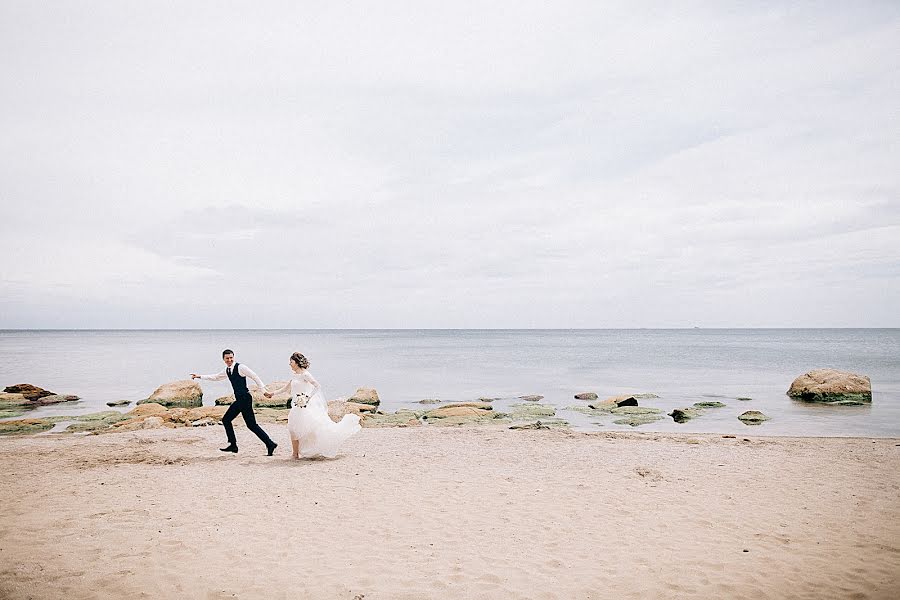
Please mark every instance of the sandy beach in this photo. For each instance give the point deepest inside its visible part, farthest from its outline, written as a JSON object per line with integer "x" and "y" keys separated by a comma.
{"x": 450, "y": 513}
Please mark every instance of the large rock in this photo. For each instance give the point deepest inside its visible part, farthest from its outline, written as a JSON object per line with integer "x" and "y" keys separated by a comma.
{"x": 25, "y": 395}
{"x": 338, "y": 408}
{"x": 365, "y": 396}
{"x": 831, "y": 385}
{"x": 30, "y": 392}
{"x": 586, "y": 396}
{"x": 177, "y": 393}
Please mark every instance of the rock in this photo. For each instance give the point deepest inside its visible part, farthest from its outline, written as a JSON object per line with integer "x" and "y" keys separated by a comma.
{"x": 753, "y": 417}
{"x": 176, "y": 393}
{"x": 531, "y": 411}
{"x": 831, "y": 385}
{"x": 645, "y": 396}
{"x": 338, "y": 408}
{"x": 591, "y": 410}
{"x": 205, "y": 421}
{"x": 744, "y": 399}
{"x": 8, "y": 400}
{"x": 30, "y": 392}
{"x": 401, "y": 418}
{"x": 55, "y": 399}
{"x": 96, "y": 422}
{"x": 153, "y": 423}
{"x": 626, "y": 400}
{"x": 25, "y": 426}
{"x": 535, "y": 425}
{"x": 481, "y": 405}
{"x": 487, "y": 399}
{"x": 712, "y": 404}
{"x": 462, "y": 415}
{"x": 680, "y": 415}
{"x": 429, "y": 401}
{"x": 143, "y": 410}
{"x": 119, "y": 403}
{"x": 638, "y": 419}
{"x": 635, "y": 410}
{"x": 532, "y": 398}
{"x": 365, "y": 396}
{"x": 456, "y": 411}
{"x": 15, "y": 403}
{"x": 586, "y": 396}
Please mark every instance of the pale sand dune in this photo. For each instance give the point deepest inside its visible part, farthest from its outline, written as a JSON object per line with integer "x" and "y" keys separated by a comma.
{"x": 450, "y": 513}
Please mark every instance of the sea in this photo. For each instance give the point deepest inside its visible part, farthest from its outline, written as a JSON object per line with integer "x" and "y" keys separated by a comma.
{"x": 405, "y": 366}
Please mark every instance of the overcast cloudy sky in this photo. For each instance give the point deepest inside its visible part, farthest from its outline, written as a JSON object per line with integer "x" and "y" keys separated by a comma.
{"x": 449, "y": 164}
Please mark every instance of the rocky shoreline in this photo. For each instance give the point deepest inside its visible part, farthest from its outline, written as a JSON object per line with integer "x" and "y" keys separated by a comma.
{"x": 180, "y": 404}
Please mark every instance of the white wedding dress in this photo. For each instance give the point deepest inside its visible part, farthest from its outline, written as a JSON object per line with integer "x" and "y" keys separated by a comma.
{"x": 309, "y": 422}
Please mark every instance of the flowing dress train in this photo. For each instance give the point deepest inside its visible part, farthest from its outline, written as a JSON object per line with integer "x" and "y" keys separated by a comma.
{"x": 318, "y": 434}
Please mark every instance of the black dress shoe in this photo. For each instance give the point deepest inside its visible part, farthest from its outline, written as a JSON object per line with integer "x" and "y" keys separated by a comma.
{"x": 271, "y": 448}
{"x": 230, "y": 448}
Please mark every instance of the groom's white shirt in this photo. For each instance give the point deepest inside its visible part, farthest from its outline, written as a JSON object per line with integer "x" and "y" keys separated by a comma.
{"x": 243, "y": 371}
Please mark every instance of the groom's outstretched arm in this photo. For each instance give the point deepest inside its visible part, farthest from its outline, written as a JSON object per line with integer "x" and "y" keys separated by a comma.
{"x": 216, "y": 377}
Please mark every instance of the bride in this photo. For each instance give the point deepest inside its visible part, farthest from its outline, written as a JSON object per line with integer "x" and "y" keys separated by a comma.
{"x": 313, "y": 433}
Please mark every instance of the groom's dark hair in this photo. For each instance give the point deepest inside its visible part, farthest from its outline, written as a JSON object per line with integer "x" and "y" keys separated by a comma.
{"x": 227, "y": 351}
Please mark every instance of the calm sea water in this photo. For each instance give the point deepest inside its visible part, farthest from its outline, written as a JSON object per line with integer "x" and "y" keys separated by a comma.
{"x": 405, "y": 366}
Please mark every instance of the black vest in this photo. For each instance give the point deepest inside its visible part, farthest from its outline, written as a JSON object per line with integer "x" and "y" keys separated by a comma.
{"x": 238, "y": 383}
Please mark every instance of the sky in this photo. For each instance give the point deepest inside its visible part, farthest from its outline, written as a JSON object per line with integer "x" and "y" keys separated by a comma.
{"x": 449, "y": 164}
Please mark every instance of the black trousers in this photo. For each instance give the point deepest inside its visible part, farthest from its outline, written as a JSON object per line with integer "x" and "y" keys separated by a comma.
{"x": 244, "y": 406}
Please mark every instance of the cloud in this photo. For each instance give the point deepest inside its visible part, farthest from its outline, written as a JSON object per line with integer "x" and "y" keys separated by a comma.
{"x": 460, "y": 165}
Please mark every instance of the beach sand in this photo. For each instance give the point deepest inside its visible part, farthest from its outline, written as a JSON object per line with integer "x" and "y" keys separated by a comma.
{"x": 433, "y": 512}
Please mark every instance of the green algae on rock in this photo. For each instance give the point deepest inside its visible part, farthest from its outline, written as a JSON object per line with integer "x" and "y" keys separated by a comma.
{"x": 753, "y": 417}
{"x": 638, "y": 419}
{"x": 635, "y": 410}
{"x": 712, "y": 404}
{"x": 25, "y": 426}
{"x": 681, "y": 415}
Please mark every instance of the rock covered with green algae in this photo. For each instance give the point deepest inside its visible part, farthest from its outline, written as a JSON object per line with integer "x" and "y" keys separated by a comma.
{"x": 709, "y": 404}
{"x": 25, "y": 426}
{"x": 531, "y": 411}
{"x": 462, "y": 415}
{"x": 681, "y": 415}
{"x": 753, "y": 417}
{"x": 638, "y": 419}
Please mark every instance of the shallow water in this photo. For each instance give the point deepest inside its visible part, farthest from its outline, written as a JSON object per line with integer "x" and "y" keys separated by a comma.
{"x": 681, "y": 366}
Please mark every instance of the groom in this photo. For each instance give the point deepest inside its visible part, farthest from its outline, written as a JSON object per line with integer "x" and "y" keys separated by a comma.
{"x": 243, "y": 402}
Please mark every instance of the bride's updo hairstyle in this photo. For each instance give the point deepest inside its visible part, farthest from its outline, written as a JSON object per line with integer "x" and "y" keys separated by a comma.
{"x": 300, "y": 360}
